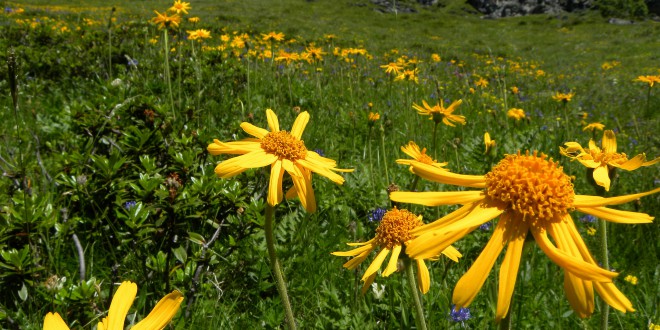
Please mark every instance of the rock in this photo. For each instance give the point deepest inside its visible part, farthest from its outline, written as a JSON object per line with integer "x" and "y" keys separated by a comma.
{"x": 506, "y": 8}
{"x": 620, "y": 21}
{"x": 385, "y": 6}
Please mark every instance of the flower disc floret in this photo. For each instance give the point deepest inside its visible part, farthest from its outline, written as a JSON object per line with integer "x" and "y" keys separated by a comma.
{"x": 395, "y": 227}
{"x": 531, "y": 185}
{"x": 284, "y": 145}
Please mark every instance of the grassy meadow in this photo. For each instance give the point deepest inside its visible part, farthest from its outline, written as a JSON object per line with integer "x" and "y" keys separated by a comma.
{"x": 106, "y": 119}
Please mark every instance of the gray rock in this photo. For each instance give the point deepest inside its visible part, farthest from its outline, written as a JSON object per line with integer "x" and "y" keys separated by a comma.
{"x": 506, "y": 8}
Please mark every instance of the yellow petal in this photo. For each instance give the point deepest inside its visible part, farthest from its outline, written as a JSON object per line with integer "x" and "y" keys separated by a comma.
{"x": 602, "y": 177}
{"x": 394, "y": 260}
{"x": 375, "y": 265}
{"x": 514, "y": 234}
{"x": 252, "y": 160}
{"x": 617, "y": 216}
{"x": 299, "y": 125}
{"x": 121, "y": 303}
{"x": 226, "y": 172}
{"x": 446, "y": 220}
{"x": 613, "y": 297}
{"x": 652, "y": 162}
{"x": 471, "y": 282}
{"x": 423, "y": 277}
{"x": 367, "y": 282}
{"x": 452, "y": 253}
{"x": 361, "y": 243}
{"x": 589, "y": 201}
{"x": 631, "y": 164}
{"x": 353, "y": 263}
{"x": 353, "y": 252}
{"x": 103, "y": 325}
{"x": 234, "y": 147}
{"x": 590, "y": 163}
{"x": 443, "y": 176}
{"x": 162, "y": 313}
{"x": 255, "y": 131}
{"x": 437, "y": 198}
{"x": 273, "y": 123}
{"x": 609, "y": 142}
{"x": 275, "y": 193}
{"x": 321, "y": 170}
{"x": 53, "y": 321}
{"x": 579, "y": 294}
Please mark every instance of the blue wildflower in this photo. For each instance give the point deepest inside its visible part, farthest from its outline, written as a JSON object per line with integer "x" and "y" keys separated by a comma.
{"x": 486, "y": 226}
{"x": 460, "y": 315}
{"x": 320, "y": 152}
{"x": 129, "y": 205}
{"x": 377, "y": 214}
{"x": 588, "y": 218}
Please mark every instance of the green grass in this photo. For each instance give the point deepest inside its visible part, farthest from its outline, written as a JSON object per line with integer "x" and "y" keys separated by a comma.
{"x": 80, "y": 147}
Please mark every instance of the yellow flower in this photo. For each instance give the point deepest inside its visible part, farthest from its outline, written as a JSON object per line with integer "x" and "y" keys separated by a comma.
{"x": 180, "y": 7}
{"x": 651, "y": 80}
{"x": 282, "y": 55}
{"x": 631, "y": 279}
{"x": 194, "y": 19}
{"x": 373, "y": 116}
{"x": 392, "y": 67}
{"x": 591, "y": 231}
{"x": 410, "y": 75}
{"x": 394, "y": 232}
{"x": 199, "y": 34}
{"x": 481, "y": 82}
{"x": 435, "y": 58}
{"x": 418, "y": 156}
{"x": 654, "y": 326}
{"x": 516, "y": 113}
{"x": 284, "y": 152}
{"x": 439, "y": 113}
{"x": 277, "y": 36}
{"x": 593, "y": 126}
{"x": 563, "y": 97}
{"x": 488, "y": 142}
{"x": 515, "y": 90}
{"x": 313, "y": 54}
{"x": 602, "y": 161}
{"x": 529, "y": 194}
{"x": 159, "y": 317}
{"x": 163, "y": 20}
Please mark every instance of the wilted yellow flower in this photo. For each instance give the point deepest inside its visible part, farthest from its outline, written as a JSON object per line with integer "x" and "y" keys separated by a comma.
{"x": 593, "y": 126}
{"x": 439, "y": 113}
{"x": 488, "y": 142}
{"x": 651, "y": 80}
{"x": 602, "y": 161}
{"x": 394, "y": 232}
{"x": 163, "y": 20}
{"x": 180, "y": 7}
{"x": 159, "y": 317}
{"x": 284, "y": 152}
{"x": 531, "y": 195}
{"x": 563, "y": 97}
{"x": 631, "y": 279}
{"x": 516, "y": 113}
{"x": 417, "y": 155}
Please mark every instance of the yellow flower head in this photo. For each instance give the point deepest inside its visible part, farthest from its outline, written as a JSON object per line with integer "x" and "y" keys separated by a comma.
{"x": 516, "y": 114}
{"x": 159, "y": 317}
{"x": 651, "y": 80}
{"x": 531, "y": 195}
{"x": 593, "y": 126}
{"x": 163, "y": 20}
{"x": 417, "y": 155}
{"x": 194, "y": 19}
{"x": 488, "y": 142}
{"x": 435, "y": 58}
{"x": 180, "y": 7}
{"x": 199, "y": 34}
{"x": 284, "y": 152}
{"x": 439, "y": 113}
{"x": 515, "y": 90}
{"x": 603, "y": 160}
{"x": 563, "y": 97}
{"x": 287, "y": 57}
{"x": 373, "y": 116}
{"x": 313, "y": 54}
{"x": 392, "y": 68}
{"x": 396, "y": 230}
{"x": 276, "y": 36}
{"x": 631, "y": 279}
{"x": 483, "y": 83}
{"x": 410, "y": 75}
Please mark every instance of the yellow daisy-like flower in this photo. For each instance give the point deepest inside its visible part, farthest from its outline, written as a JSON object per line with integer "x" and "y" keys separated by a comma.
{"x": 159, "y": 317}
{"x": 410, "y": 75}
{"x": 284, "y": 152}
{"x": 373, "y": 117}
{"x": 163, "y": 20}
{"x": 392, "y": 68}
{"x": 593, "y": 126}
{"x": 194, "y": 19}
{"x": 417, "y": 155}
{"x": 563, "y": 97}
{"x": 483, "y": 83}
{"x": 632, "y": 279}
{"x": 393, "y": 233}
{"x": 435, "y": 58}
{"x": 529, "y": 194}
{"x": 651, "y": 80}
{"x": 277, "y": 36}
{"x": 287, "y": 57}
{"x": 516, "y": 114}
{"x": 180, "y": 7}
{"x": 603, "y": 160}
{"x": 199, "y": 34}
{"x": 439, "y": 113}
{"x": 488, "y": 142}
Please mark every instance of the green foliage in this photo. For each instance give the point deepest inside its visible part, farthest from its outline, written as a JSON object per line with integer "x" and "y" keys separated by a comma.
{"x": 623, "y": 8}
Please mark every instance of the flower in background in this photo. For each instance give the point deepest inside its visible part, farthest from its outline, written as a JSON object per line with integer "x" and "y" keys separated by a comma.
{"x": 439, "y": 113}
{"x": 392, "y": 68}
{"x": 410, "y": 75}
{"x": 199, "y": 34}
{"x": 284, "y": 152}
{"x": 165, "y": 21}
{"x": 654, "y": 326}
{"x": 435, "y": 58}
{"x": 593, "y": 127}
{"x": 486, "y": 226}
{"x": 459, "y": 314}
{"x": 394, "y": 232}
{"x": 488, "y": 142}
{"x": 159, "y": 317}
{"x": 377, "y": 214}
{"x": 129, "y": 205}
{"x": 531, "y": 195}
{"x": 483, "y": 83}
{"x": 193, "y": 20}
{"x": 180, "y": 7}
{"x": 515, "y": 90}
{"x": 563, "y": 97}
{"x": 604, "y": 160}
{"x": 631, "y": 279}
{"x": 588, "y": 218}
{"x": 282, "y": 55}
{"x": 417, "y": 155}
{"x": 591, "y": 231}
{"x": 313, "y": 54}
{"x": 516, "y": 114}
{"x": 651, "y": 80}
{"x": 275, "y": 36}
{"x": 373, "y": 117}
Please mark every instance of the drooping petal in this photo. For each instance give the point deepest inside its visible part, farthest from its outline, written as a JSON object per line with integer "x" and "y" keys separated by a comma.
{"x": 471, "y": 282}
{"x": 617, "y": 216}
{"x": 275, "y": 193}
{"x": 613, "y": 297}
{"x": 121, "y": 303}
{"x": 602, "y": 177}
{"x": 273, "y": 123}
{"x": 367, "y": 282}
{"x": 515, "y": 233}
{"x": 234, "y": 147}
{"x": 255, "y": 131}
{"x": 434, "y": 174}
{"x": 299, "y": 125}
{"x": 423, "y": 277}
{"x": 652, "y": 162}
{"x": 353, "y": 263}
{"x": 434, "y": 198}
{"x": 631, "y": 164}
{"x": 226, "y": 172}
{"x": 590, "y": 201}
{"x": 394, "y": 260}
{"x": 53, "y": 321}
{"x": 302, "y": 183}
{"x": 162, "y": 313}
{"x": 375, "y": 265}
{"x": 452, "y": 253}
{"x": 321, "y": 170}
{"x": 609, "y": 142}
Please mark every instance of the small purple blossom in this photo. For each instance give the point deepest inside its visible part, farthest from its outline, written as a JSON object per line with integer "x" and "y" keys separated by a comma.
{"x": 588, "y": 218}
{"x": 486, "y": 226}
{"x": 460, "y": 315}
{"x": 320, "y": 152}
{"x": 129, "y": 205}
{"x": 133, "y": 62}
{"x": 377, "y": 214}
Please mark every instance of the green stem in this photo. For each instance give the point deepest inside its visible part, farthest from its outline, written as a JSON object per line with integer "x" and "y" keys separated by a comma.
{"x": 382, "y": 145}
{"x": 167, "y": 73}
{"x": 604, "y": 259}
{"x": 275, "y": 267}
{"x": 420, "y": 321}
{"x": 505, "y": 323}
{"x": 435, "y": 130}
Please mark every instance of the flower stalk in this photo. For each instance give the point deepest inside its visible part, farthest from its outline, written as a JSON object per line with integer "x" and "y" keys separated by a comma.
{"x": 420, "y": 321}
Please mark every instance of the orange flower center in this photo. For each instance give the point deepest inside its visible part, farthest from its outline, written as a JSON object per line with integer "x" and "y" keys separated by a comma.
{"x": 284, "y": 145}
{"x": 532, "y": 186}
{"x": 395, "y": 227}
{"x": 424, "y": 158}
{"x": 608, "y": 157}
